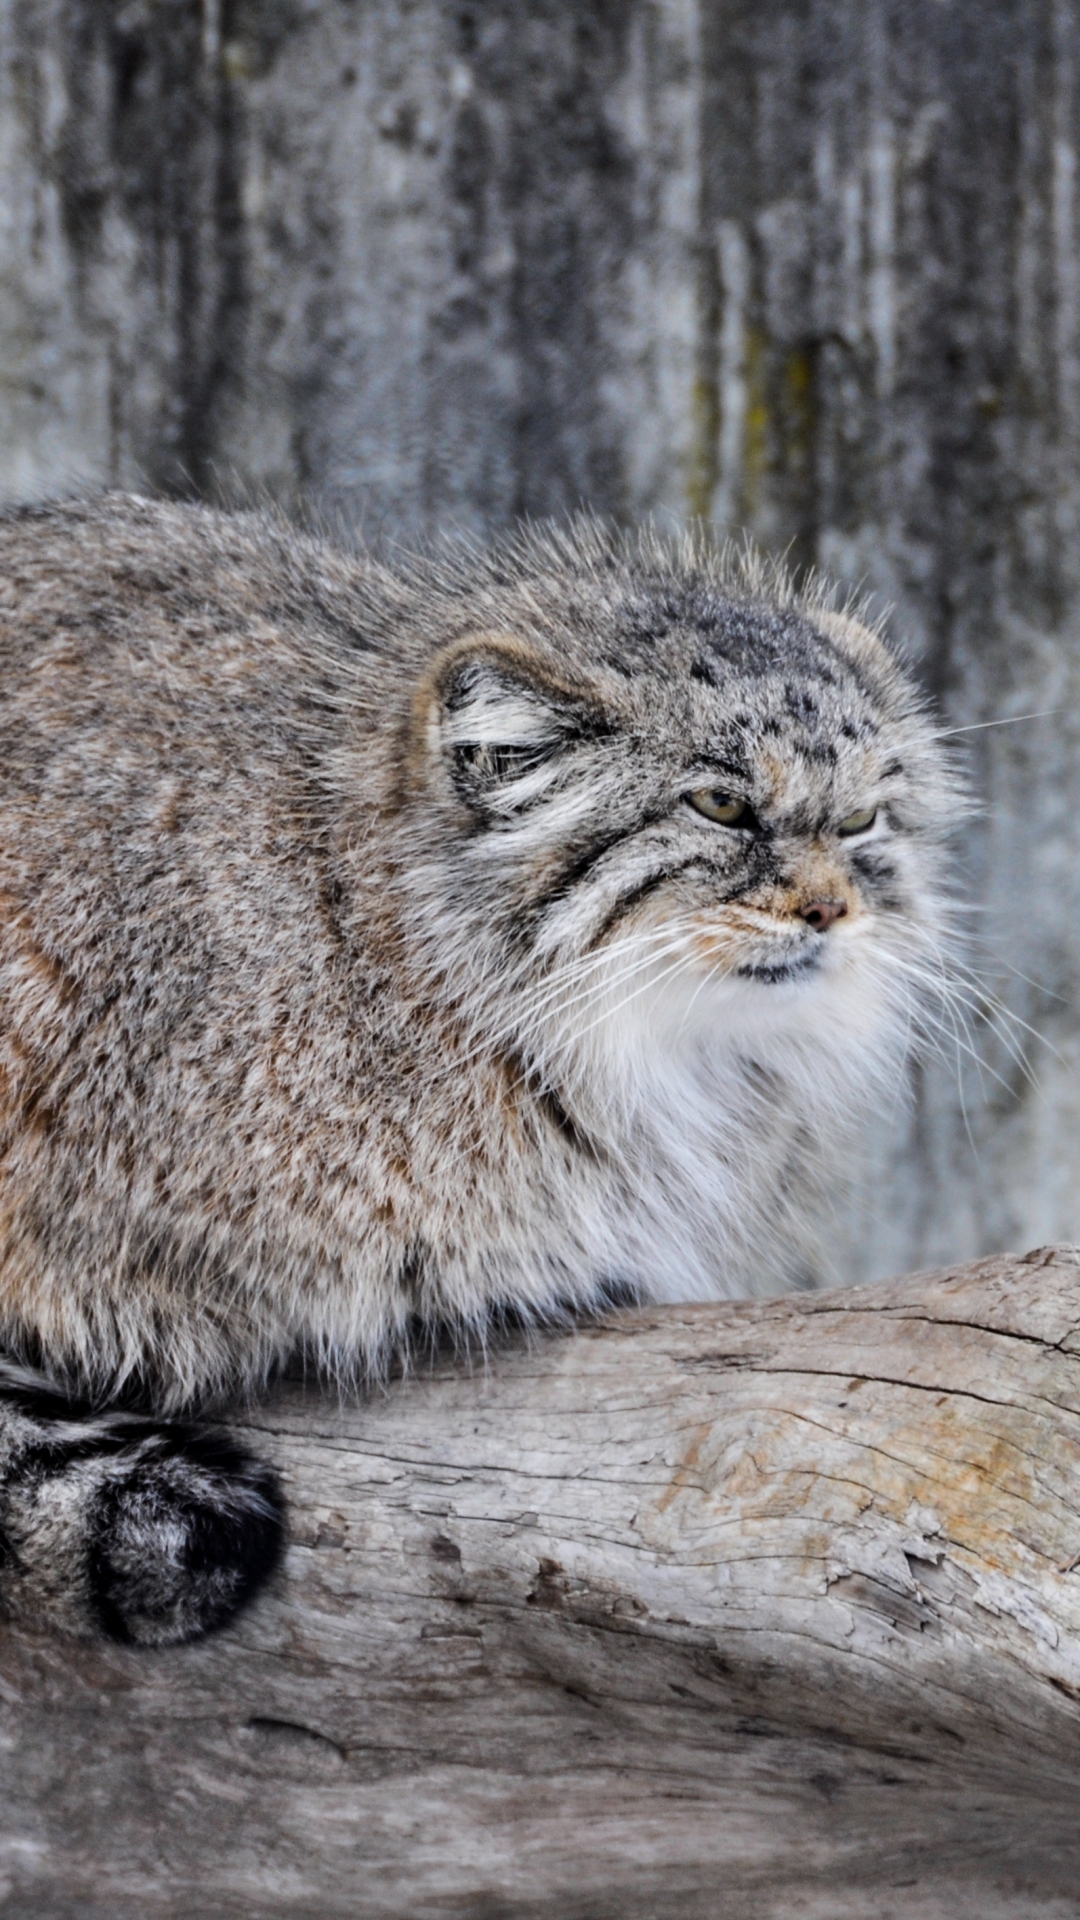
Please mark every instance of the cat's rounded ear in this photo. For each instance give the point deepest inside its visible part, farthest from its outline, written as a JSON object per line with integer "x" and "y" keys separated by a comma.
{"x": 496, "y": 716}
{"x": 853, "y": 637}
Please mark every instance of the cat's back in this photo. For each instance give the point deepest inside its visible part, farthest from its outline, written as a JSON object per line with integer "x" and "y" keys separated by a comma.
{"x": 121, "y": 615}
{"x": 174, "y": 686}
{"x": 179, "y": 679}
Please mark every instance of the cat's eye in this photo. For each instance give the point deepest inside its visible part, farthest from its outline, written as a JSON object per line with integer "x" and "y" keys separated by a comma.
{"x": 725, "y": 808}
{"x": 858, "y": 822}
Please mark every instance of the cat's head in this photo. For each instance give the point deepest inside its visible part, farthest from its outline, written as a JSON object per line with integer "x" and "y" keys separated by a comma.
{"x": 652, "y": 779}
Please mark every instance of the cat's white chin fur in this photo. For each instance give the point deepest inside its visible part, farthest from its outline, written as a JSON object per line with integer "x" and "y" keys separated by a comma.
{"x": 725, "y": 1103}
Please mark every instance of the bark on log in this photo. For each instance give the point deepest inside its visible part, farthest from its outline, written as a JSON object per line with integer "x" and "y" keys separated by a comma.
{"x": 764, "y": 1610}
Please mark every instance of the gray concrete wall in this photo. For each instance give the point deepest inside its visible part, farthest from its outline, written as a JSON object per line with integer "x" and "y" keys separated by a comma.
{"x": 807, "y": 268}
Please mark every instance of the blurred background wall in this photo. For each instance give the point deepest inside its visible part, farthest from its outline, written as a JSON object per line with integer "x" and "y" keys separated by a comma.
{"x": 811, "y": 269}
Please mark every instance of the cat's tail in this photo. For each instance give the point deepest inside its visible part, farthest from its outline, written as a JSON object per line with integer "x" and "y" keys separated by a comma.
{"x": 145, "y": 1531}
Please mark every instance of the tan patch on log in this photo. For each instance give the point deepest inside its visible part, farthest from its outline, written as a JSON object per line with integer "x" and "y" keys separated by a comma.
{"x": 685, "y": 1475}
{"x": 824, "y": 1468}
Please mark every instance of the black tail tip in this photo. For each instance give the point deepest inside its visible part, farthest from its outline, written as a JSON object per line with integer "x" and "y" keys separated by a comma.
{"x": 183, "y": 1538}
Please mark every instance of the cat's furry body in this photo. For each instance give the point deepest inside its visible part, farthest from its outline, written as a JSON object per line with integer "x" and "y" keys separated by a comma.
{"x": 364, "y": 963}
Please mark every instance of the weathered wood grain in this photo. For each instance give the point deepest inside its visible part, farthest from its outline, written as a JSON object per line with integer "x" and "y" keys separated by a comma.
{"x": 760, "y": 1610}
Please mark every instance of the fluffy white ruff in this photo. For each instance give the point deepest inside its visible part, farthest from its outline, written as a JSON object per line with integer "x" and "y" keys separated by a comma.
{"x": 726, "y": 1106}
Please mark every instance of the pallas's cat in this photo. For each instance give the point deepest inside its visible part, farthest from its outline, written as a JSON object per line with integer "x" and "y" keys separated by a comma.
{"x": 388, "y": 947}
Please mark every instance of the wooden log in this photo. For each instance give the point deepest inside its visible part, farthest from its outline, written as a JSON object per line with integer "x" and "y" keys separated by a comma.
{"x": 764, "y": 1610}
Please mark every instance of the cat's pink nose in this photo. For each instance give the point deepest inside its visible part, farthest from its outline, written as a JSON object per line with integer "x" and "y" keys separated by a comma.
{"x": 820, "y": 914}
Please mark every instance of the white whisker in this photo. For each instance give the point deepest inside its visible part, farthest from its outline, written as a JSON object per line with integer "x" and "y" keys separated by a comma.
{"x": 1011, "y": 720}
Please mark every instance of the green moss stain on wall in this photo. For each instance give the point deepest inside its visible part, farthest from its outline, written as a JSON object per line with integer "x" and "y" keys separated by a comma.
{"x": 756, "y": 443}
{"x": 798, "y": 450}
{"x": 703, "y": 470}
{"x": 799, "y": 413}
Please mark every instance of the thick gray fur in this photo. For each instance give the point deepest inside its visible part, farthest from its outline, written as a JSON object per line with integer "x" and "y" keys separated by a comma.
{"x": 369, "y": 964}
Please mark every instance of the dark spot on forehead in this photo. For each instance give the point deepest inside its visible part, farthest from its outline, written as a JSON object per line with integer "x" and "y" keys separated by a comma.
{"x": 707, "y": 620}
{"x": 821, "y": 752}
{"x": 646, "y": 619}
{"x": 800, "y": 703}
{"x": 755, "y": 640}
